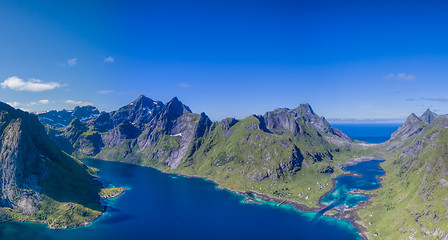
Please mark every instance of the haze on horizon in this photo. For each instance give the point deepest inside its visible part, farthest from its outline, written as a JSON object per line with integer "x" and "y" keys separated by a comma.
{"x": 378, "y": 60}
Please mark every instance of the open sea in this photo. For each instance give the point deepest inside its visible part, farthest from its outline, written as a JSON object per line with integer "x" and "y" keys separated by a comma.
{"x": 167, "y": 206}
{"x": 368, "y": 132}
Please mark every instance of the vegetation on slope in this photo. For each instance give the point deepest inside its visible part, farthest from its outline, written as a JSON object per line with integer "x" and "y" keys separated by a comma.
{"x": 413, "y": 202}
{"x": 42, "y": 183}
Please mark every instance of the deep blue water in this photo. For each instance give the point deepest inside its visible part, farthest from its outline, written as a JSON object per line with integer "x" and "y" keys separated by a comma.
{"x": 340, "y": 196}
{"x": 368, "y": 132}
{"x": 164, "y": 206}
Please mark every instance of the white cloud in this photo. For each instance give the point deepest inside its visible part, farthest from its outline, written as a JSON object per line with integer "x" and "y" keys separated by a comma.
{"x": 399, "y": 77}
{"x": 78, "y": 103}
{"x": 43, "y": 101}
{"x": 106, "y": 91}
{"x": 184, "y": 85}
{"x": 109, "y": 59}
{"x": 14, "y": 104}
{"x": 32, "y": 85}
{"x": 72, "y": 62}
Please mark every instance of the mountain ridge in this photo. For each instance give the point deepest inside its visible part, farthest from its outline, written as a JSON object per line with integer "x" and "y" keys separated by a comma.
{"x": 38, "y": 180}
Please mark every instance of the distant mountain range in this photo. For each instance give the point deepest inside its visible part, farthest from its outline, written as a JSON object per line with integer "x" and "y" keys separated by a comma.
{"x": 39, "y": 182}
{"x": 169, "y": 136}
{"x": 42, "y": 183}
{"x": 286, "y": 153}
{"x": 64, "y": 117}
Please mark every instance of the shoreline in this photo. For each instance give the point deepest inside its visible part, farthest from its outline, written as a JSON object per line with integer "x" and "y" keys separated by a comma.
{"x": 123, "y": 189}
{"x": 351, "y": 214}
{"x": 345, "y": 214}
{"x": 82, "y": 224}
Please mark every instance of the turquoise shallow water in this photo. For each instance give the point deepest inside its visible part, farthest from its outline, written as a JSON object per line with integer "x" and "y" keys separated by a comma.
{"x": 163, "y": 206}
{"x": 340, "y": 196}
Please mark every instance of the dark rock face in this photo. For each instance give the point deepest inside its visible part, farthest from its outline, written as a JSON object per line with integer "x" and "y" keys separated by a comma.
{"x": 299, "y": 120}
{"x": 122, "y": 132}
{"x": 428, "y": 117}
{"x": 64, "y": 117}
{"x": 169, "y": 135}
{"x": 416, "y": 129}
{"x": 139, "y": 112}
{"x": 21, "y": 169}
{"x": 28, "y": 157}
{"x": 411, "y": 126}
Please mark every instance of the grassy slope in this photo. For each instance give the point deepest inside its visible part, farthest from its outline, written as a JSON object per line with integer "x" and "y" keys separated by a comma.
{"x": 412, "y": 202}
{"x": 69, "y": 199}
{"x": 248, "y": 151}
{"x": 69, "y": 195}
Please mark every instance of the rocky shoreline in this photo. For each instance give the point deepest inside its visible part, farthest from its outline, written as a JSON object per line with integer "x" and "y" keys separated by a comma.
{"x": 346, "y": 214}
{"x": 85, "y": 223}
{"x": 122, "y": 190}
{"x": 350, "y": 215}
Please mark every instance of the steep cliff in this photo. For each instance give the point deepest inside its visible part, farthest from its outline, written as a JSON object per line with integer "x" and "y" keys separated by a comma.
{"x": 236, "y": 153}
{"x": 37, "y": 179}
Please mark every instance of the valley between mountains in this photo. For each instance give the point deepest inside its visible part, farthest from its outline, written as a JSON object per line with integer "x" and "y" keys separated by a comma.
{"x": 291, "y": 154}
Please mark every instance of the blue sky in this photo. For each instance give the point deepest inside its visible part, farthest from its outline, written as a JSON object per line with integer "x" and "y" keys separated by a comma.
{"x": 348, "y": 59}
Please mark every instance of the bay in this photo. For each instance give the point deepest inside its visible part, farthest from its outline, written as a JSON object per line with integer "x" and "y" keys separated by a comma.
{"x": 367, "y": 179}
{"x": 167, "y": 206}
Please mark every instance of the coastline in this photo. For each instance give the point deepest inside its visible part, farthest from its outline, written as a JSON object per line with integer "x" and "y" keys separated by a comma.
{"x": 85, "y": 223}
{"x": 122, "y": 189}
{"x": 351, "y": 214}
{"x": 345, "y": 214}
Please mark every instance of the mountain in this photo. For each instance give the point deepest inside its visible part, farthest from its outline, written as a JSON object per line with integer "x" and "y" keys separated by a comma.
{"x": 279, "y": 145}
{"x": 64, "y": 117}
{"x": 39, "y": 182}
{"x": 413, "y": 200}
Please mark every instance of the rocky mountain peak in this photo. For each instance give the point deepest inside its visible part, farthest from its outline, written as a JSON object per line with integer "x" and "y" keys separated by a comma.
{"x": 176, "y": 108}
{"x": 142, "y": 101}
{"x": 428, "y": 116}
{"x": 410, "y": 127}
{"x": 85, "y": 112}
{"x": 412, "y": 119}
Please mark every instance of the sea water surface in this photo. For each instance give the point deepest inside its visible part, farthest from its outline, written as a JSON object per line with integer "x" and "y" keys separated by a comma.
{"x": 368, "y": 180}
{"x": 167, "y": 206}
{"x": 368, "y": 132}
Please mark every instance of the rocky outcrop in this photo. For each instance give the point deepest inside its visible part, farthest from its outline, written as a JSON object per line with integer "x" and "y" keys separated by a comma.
{"x": 139, "y": 112}
{"x": 171, "y": 136}
{"x": 428, "y": 117}
{"x": 411, "y": 126}
{"x": 300, "y": 121}
{"x": 29, "y": 158}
